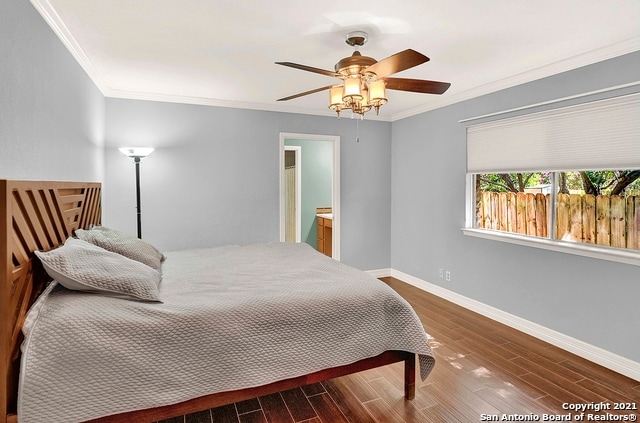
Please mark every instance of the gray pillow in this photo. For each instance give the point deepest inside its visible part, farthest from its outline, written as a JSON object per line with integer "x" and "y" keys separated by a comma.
{"x": 81, "y": 266}
{"x": 123, "y": 243}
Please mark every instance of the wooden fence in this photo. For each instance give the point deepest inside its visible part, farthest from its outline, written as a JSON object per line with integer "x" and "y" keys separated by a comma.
{"x": 603, "y": 220}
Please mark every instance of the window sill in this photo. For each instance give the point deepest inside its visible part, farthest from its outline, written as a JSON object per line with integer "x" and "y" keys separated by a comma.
{"x": 586, "y": 250}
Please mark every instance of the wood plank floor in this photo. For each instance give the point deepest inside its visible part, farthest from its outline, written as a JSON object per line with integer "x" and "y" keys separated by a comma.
{"x": 484, "y": 370}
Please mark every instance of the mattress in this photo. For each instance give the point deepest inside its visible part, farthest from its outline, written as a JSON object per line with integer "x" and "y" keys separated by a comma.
{"x": 231, "y": 317}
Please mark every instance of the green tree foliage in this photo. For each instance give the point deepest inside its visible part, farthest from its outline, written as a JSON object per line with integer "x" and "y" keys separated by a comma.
{"x": 512, "y": 182}
{"x": 609, "y": 182}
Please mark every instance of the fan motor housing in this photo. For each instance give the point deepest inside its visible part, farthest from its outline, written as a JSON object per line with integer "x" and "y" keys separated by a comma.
{"x": 354, "y": 64}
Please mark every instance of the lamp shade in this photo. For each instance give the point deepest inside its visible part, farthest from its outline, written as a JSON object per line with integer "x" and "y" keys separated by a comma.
{"x": 377, "y": 92}
{"x": 136, "y": 151}
{"x": 365, "y": 97}
{"x": 352, "y": 89}
{"x": 335, "y": 97}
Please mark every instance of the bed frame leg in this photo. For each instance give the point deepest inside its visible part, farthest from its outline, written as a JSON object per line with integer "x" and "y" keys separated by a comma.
{"x": 410, "y": 377}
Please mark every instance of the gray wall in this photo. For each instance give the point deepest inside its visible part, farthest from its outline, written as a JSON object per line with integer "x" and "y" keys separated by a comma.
{"x": 214, "y": 180}
{"x": 51, "y": 113}
{"x": 317, "y": 183}
{"x": 214, "y": 177}
{"x": 593, "y": 300}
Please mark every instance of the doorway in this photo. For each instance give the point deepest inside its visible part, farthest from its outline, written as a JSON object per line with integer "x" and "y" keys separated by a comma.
{"x": 287, "y": 142}
{"x": 293, "y": 193}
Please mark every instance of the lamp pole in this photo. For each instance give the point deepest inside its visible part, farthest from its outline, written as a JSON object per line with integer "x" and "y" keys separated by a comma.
{"x": 136, "y": 159}
{"x": 137, "y": 153}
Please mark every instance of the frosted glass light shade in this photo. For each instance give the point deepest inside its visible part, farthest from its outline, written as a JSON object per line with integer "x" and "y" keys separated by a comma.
{"x": 365, "y": 97}
{"x": 377, "y": 93}
{"x": 352, "y": 89}
{"x": 335, "y": 97}
{"x": 136, "y": 151}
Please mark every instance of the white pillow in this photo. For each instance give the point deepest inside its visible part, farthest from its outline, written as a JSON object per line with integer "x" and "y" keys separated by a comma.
{"x": 123, "y": 243}
{"x": 81, "y": 266}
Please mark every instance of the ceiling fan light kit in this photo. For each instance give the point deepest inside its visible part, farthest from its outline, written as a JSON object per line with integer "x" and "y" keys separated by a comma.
{"x": 366, "y": 80}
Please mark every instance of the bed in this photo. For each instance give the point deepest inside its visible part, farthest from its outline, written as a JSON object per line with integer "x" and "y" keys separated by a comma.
{"x": 256, "y": 334}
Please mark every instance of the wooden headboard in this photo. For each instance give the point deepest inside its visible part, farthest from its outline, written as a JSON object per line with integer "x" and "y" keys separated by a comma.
{"x": 34, "y": 215}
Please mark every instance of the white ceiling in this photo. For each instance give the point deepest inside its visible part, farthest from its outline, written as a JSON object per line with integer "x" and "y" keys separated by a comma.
{"x": 222, "y": 52}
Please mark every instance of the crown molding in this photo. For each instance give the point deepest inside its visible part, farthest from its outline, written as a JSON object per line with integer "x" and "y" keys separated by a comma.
{"x": 203, "y": 101}
{"x": 594, "y": 56}
{"x": 55, "y": 22}
{"x": 52, "y": 18}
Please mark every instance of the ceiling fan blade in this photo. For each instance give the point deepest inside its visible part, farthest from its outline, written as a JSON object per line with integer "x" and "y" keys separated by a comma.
{"x": 417, "y": 85}
{"x": 398, "y": 62}
{"x": 291, "y": 97}
{"x": 308, "y": 68}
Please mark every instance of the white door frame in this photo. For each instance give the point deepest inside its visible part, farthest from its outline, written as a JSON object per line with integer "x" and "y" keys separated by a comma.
{"x": 297, "y": 150}
{"x": 335, "y": 189}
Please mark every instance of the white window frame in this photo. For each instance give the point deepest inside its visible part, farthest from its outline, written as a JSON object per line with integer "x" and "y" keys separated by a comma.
{"x": 576, "y": 248}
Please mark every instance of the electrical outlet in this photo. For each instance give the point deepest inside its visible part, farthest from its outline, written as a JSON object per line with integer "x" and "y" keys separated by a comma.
{"x": 441, "y": 273}
{"x": 448, "y": 276}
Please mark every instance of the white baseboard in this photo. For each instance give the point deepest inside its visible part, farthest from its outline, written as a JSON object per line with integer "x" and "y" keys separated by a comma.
{"x": 587, "y": 351}
{"x": 380, "y": 273}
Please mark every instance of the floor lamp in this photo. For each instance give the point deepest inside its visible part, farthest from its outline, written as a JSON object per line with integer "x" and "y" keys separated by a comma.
{"x": 137, "y": 153}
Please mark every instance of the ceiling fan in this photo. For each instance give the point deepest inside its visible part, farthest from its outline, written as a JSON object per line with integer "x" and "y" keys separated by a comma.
{"x": 365, "y": 80}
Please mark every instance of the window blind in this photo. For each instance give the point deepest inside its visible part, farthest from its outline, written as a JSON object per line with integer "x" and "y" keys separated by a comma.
{"x": 599, "y": 135}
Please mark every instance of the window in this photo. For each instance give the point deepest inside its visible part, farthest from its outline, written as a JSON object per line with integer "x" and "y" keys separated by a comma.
{"x": 567, "y": 178}
{"x": 590, "y": 207}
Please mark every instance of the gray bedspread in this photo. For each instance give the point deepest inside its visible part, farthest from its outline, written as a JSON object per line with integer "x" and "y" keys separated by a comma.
{"x": 232, "y": 317}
